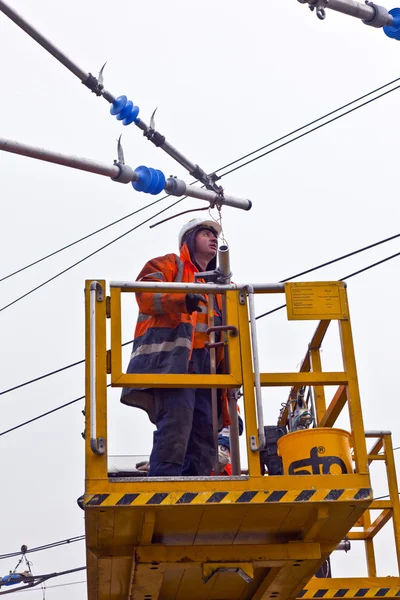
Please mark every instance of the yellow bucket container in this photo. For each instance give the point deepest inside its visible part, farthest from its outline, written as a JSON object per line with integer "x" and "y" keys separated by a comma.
{"x": 319, "y": 451}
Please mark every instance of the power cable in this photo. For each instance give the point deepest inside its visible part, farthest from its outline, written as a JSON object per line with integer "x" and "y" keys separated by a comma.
{"x": 379, "y": 262}
{"x": 48, "y": 587}
{"x": 16, "y": 387}
{"x": 217, "y": 171}
{"x": 71, "y": 540}
{"x": 85, "y": 237}
{"x": 89, "y": 255}
{"x": 310, "y": 131}
{"x": 78, "y": 362}
{"x": 381, "y": 497}
{"x": 49, "y": 412}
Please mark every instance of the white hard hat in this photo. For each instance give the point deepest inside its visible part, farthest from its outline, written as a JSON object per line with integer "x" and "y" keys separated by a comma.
{"x": 198, "y": 222}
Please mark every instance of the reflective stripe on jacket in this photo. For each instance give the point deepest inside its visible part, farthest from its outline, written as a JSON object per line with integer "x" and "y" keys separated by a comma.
{"x": 165, "y": 333}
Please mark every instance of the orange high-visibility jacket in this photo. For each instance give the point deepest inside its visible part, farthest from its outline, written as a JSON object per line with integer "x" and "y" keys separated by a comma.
{"x": 165, "y": 333}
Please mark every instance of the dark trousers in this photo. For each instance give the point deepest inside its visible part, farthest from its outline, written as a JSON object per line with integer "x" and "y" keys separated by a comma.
{"x": 183, "y": 442}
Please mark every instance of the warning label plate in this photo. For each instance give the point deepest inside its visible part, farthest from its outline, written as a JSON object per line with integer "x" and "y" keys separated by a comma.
{"x": 317, "y": 300}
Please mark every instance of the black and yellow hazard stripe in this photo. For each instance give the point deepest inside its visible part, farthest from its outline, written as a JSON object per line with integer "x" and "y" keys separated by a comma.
{"x": 383, "y": 592}
{"x": 232, "y": 497}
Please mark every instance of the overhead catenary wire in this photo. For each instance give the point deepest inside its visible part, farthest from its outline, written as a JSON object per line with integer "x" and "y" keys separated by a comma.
{"x": 379, "y": 262}
{"x": 309, "y": 124}
{"x": 298, "y": 137}
{"x": 55, "y": 372}
{"x": 48, "y": 587}
{"x": 70, "y": 540}
{"x": 85, "y": 237}
{"x": 88, "y": 256}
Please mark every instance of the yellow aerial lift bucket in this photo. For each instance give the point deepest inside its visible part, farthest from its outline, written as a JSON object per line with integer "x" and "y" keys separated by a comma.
{"x": 318, "y": 451}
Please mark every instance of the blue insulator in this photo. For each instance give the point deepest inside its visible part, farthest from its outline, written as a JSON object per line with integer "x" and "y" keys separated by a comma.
{"x": 118, "y": 105}
{"x": 125, "y": 110}
{"x": 132, "y": 117}
{"x": 11, "y": 579}
{"x": 150, "y": 181}
{"x": 393, "y": 30}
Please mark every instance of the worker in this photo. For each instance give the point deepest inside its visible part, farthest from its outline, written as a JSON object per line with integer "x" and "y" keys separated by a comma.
{"x": 169, "y": 338}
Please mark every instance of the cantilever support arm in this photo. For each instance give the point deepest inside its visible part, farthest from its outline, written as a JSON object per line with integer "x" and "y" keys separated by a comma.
{"x": 95, "y": 85}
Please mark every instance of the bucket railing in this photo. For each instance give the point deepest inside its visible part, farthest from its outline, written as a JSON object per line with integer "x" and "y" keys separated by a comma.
{"x": 241, "y": 348}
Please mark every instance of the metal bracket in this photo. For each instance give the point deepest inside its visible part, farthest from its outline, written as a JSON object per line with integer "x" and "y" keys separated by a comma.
{"x": 319, "y": 5}
{"x": 242, "y": 296}
{"x": 216, "y": 276}
{"x": 244, "y": 570}
{"x": 98, "y": 445}
{"x": 380, "y": 17}
{"x": 253, "y": 443}
{"x": 99, "y": 290}
{"x": 125, "y": 175}
{"x": 94, "y": 85}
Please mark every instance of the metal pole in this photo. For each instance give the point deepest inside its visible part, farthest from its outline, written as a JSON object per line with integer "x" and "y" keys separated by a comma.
{"x": 96, "y": 444}
{"x": 177, "y": 187}
{"x": 94, "y": 85}
{"x": 213, "y": 370}
{"x": 266, "y": 288}
{"x": 225, "y": 268}
{"x": 370, "y": 13}
{"x": 117, "y": 172}
{"x": 256, "y": 366}
{"x": 74, "y": 162}
{"x": 45, "y": 43}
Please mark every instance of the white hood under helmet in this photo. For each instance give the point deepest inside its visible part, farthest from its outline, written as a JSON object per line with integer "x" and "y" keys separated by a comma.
{"x": 194, "y": 224}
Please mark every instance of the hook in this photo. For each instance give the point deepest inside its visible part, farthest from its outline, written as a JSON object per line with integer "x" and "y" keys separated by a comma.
{"x": 152, "y": 119}
{"x": 100, "y": 75}
{"x": 120, "y": 151}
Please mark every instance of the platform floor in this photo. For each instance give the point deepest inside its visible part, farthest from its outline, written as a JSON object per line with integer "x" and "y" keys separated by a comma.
{"x": 239, "y": 544}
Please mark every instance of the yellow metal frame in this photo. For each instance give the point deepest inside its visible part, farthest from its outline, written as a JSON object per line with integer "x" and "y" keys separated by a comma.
{"x": 382, "y": 450}
{"x": 121, "y": 379}
{"x": 241, "y": 374}
{"x": 310, "y": 503}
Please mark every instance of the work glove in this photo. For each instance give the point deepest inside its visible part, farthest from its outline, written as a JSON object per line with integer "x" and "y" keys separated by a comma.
{"x": 192, "y": 302}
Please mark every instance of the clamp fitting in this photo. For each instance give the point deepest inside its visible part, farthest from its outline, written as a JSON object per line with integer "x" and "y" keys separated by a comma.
{"x": 380, "y": 17}
{"x": 125, "y": 175}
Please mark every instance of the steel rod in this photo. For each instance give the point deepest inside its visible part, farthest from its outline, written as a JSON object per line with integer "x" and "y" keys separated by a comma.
{"x": 265, "y": 288}
{"x": 177, "y": 187}
{"x": 96, "y": 445}
{"x": 225, "y": 269}
{"x": 85, "y": 77}
{"x": 44, "y": 42}
{"x": 356, "y": 9}
{"x": 74, "y": 162}
{"x": 256, "y": 367}
{"x": 352, "y": 8}
{"x": 113, "y": 171}
{"x": 213, "y": 370}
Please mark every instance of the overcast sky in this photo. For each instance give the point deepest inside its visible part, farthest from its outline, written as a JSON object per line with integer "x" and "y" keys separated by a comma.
{"x": 227, "y": 78}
